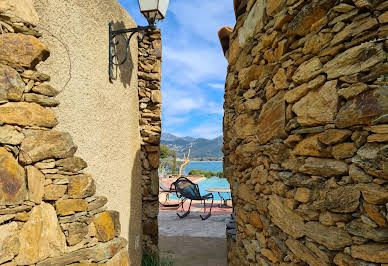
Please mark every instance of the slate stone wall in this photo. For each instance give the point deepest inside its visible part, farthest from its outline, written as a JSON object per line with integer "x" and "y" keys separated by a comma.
{"x": 306, "y": 132}
{"x": 150, "y": 106}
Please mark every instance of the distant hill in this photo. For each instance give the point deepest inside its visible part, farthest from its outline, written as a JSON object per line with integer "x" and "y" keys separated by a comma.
{"x": 200, "y": 148}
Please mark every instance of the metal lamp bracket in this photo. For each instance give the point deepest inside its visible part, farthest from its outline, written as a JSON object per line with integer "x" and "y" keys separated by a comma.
{"x": 114, "y": 58}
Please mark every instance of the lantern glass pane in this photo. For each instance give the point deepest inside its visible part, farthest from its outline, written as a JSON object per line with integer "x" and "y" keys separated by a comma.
{"x": 163, "y": 5}
{"x": 147, "y": 5}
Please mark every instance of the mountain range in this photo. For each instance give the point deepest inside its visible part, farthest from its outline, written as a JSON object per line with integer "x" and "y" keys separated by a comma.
{"x": 205, "y": 149}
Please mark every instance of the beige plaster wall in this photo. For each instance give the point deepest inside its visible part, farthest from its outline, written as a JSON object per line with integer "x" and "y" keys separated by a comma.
{"x": 101, "y": 116}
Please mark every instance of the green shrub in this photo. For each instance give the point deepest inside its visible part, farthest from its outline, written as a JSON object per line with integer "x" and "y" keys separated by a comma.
{"x": 150, "y": 260}
{"x": 207, "y": 174}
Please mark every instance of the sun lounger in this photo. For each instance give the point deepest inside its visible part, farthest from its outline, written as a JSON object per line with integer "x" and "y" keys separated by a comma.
{"x": 189, "y": 190}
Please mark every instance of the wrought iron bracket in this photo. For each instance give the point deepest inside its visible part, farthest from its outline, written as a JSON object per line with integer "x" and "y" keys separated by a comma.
{"x": 114, "y": 58}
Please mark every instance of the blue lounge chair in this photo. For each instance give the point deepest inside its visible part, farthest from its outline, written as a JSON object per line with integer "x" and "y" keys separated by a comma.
{"x": 186, "y": 189}
{"x": 168, "y": 191}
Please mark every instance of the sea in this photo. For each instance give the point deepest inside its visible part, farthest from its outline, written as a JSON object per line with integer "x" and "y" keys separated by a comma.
{"x": 215, "y": 166}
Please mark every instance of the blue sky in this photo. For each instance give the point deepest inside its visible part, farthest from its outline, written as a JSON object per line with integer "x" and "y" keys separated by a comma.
{"x": 194, "y": 68}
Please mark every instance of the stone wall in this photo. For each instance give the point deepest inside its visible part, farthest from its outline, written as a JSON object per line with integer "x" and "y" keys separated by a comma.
{"x": 49, "y": 213}
{"x": 150, "y": 105}
{"x": 306, "y": 132}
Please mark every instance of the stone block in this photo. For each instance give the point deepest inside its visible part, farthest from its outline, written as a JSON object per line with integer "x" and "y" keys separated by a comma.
{"x": 371, "y": 252}
{"x": 23, "y": 9}
{"x": 304, "y": 253}
{"x": 81, "y": 186}
{"x": 45, "y": 89}
{"x": 295, "y": 94}
{"x": 373, "y": 193}
{"x": 42, "y": 100}
{"x": 246, "y": 75}
{"x": 324, "y": 167}
{"x": 362, "y": 109}
{"x": 9, "y": 135}
{"x": 373, "y": 159}
{"x": 24, "y": 50}
{"x": 353, "y": 90}
{"x": 359, "y": 228}
{"x": 11, "y": 84}
{"x": 54, "y": 192}
{"x": 307, "y": 16}
{"x": 120, "y": 259}
{"x": 319, "y": 106}
{"x": 272, "y": 120}
{"x": 332, "y": 237}
{"x": 290, "y": 222}
{"x": 332, "y": 136}
{"x": 72, "y": 164}
{"x": 354, "y": 60}
{"x": 70, "y": 206}
{"x": 343, "y": 150}
{"x": 375, "y": 213}
{"x": 76, "y": 232}
{"x": 43, "y": 228}
{"x": 303, "y": 195}
{"x": 9, "y": 241}
{"x": 12, "y": 180}
{"x": 27, "y": 114}
{"x": 311, "y": 146}
{"x": 253, "y": 23}
{"x": 39, "y": 145}
{"x": 99, "y": 252}
{"x": 107, "y": 225}
{"x": 341, "y": 199}
{"x": 308, "y": 70}
{"x": 35, "y": 184}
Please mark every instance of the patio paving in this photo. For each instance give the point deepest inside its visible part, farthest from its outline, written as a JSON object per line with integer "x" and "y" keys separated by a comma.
{"x": 193, "y": 226}
{"x": 194, "y": 251}
{"x": 191, "y": 241}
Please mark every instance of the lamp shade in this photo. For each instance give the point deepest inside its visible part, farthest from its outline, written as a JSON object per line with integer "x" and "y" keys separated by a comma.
{"x": 153, "y": 9}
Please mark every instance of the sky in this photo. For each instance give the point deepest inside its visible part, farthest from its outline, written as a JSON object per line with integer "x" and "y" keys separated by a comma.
{"x": 194, "y": 67}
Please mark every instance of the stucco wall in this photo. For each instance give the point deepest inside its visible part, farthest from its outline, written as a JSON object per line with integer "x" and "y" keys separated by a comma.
{"x": 101, "y": 116}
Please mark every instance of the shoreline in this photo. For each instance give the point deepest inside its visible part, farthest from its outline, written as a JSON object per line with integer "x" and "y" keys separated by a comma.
{"x": 192, "y": 161}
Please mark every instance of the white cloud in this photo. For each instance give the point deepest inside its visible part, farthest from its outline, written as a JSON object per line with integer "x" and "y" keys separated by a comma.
{"x": 194, "y": 67}
{"x": 208, "y": 130}
{"x": 203, "y": 18}
{"x": 171, "y": 120}
{"x": 214, "y": 108}
{"x": 218, "y": 86}
{"x": 181, "y": 102}
{"x": 193, "y": 64}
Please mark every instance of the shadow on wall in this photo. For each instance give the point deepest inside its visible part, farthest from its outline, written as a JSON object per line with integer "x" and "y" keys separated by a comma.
{"x": 135, "y": 229}
{"x": 123, "y": 71}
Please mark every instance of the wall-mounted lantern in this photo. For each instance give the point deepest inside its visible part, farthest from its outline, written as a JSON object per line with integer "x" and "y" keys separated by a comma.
{"x": 152, "y": 10}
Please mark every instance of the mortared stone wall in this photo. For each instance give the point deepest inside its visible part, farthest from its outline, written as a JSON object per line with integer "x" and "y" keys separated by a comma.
{"x": 306, "y": 132}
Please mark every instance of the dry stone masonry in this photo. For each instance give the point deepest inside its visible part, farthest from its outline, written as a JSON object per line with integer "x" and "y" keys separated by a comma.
{"x": 306, "y": 132}
{"x": 49, "y": 213}
{"x": 150, "y": 104}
